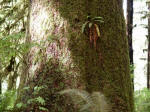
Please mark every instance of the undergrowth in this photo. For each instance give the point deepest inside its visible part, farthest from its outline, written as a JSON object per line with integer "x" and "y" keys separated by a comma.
{"x": 7, "y": 101}
{"x": 142, "y": 100}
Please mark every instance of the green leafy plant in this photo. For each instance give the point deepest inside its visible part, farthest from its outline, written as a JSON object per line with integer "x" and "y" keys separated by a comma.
{"x": 90, "y": 22}
{"x": 7, "y": 101}
{"x": 35, "y": 102}
{"x": 12, "y": 50}
{"x": 92, "y": 28}
{"x": 13, "y": 46}
{"x": 13, "y": 21}
{"x": 142, "y": 100}
{"x": 95, "y": 102}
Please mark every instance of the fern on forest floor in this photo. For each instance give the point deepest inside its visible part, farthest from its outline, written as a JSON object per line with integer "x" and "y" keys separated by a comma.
{"x": 7, "y": 101}
{"x": 86, "y": 102}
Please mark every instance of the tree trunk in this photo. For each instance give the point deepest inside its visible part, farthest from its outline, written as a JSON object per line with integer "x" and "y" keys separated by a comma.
{"x": 129, "y": 28}
{"x": 67, "y": 59}
{"x": 148, "y": 65}
{"x": 129, "y": 33}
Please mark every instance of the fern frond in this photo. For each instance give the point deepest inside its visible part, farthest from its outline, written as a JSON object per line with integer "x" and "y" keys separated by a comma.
{"x": 95, "y": 102}
{"x": 84, "y": 26}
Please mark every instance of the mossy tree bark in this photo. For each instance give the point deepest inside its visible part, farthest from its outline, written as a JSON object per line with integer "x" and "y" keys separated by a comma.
{"x": 66, "y": 55}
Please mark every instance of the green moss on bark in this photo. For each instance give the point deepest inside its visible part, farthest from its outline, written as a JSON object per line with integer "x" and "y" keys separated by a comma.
{"x": 105, "y": 69}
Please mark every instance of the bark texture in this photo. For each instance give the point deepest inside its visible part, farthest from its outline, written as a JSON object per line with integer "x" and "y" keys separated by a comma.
{"x": 66, "y": 55}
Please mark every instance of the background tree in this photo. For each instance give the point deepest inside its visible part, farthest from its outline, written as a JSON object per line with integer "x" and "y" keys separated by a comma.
{"x": 12, "y": 31}
{"x": 130, "y": 28}
{"x": 148, "y": 65}
{"x": 129, "y": 33}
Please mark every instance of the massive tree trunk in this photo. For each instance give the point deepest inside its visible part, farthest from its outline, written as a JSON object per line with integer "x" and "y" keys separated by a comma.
{"x": 67, "y": 58}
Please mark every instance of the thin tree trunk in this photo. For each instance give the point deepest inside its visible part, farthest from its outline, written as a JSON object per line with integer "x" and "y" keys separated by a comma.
{"x": 129, "y": 33}
{"x": 148, "y": 65}
{"x": 130, "y": 28}
{"x": 67, "y": 56}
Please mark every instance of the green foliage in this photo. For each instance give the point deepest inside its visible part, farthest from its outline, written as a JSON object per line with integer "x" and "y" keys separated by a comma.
{"x": 38, "y": 88}
{"x": 90, "y": 22}
{"x": 13, "y": 19}
{"x": 142, "y": 100}
{"x": 95, "y": 102}
{"x": 20, "y": 105}
{"x": 11, "y": 46}
{"x": 12, "y": 51}
{"x": 12, "y": 15}
{"x": 7, "y": 101}
{"x": 43, "y": 109}
{"x": 42, "y": 93}
{"x": 36, "y": 101}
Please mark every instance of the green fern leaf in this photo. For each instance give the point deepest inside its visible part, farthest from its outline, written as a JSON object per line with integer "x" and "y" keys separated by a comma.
{"x": 84, "y": 26}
